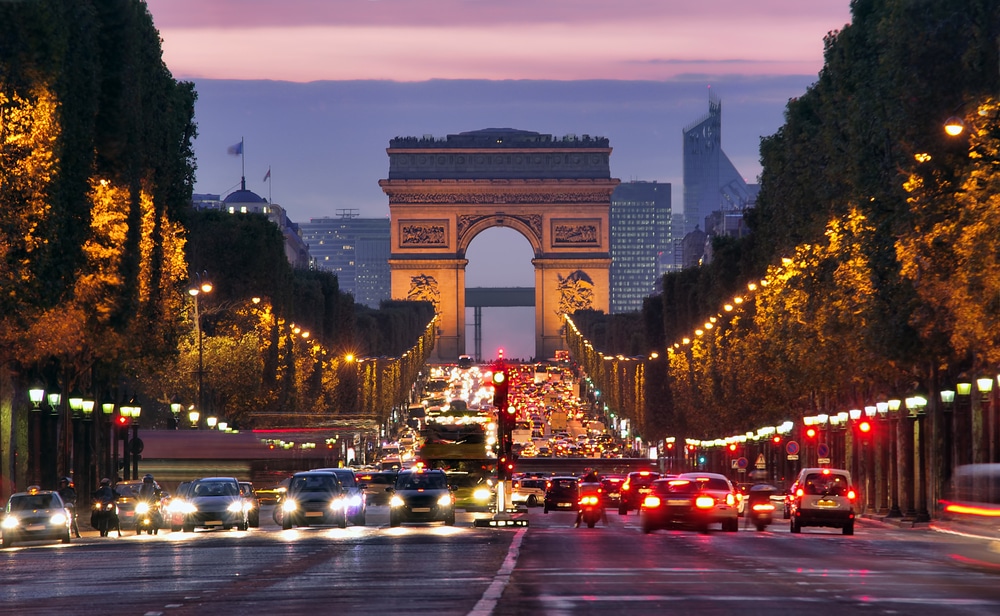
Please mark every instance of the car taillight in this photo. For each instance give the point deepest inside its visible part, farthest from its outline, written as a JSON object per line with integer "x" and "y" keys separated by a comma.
{"x": 705, "y": 502}
{"x": 799, "y": 492}
{"x": 626, "y": 486}
{"x": 730, "y": 500}
{"x": 851, "y": 495}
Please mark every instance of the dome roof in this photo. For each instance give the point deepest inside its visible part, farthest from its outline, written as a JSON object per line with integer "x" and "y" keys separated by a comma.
{"x": 244, "y": 196}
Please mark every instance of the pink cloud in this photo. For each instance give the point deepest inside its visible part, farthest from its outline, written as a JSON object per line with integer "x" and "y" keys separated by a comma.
{"x": 413, "y": 40}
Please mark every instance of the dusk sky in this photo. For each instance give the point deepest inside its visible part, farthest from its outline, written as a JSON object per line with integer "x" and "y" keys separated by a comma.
{"x": 317, "y": 88}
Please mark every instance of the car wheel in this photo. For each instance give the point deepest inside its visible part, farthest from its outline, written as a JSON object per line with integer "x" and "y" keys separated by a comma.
{"x": 795, "y": 528}
{"x": 731, "y": 526}
{"x": 255, "y": 520}
{"x": 66, "y": 539}
{"x": 647, "y": 527}
{"x": 188, "y": 528}
{"x": 761, "y": 527}
{"x": 342, "y": 521}
{"x": 532, "y": 501}
{"x": 849, "y": 528}
{"x": 450, "y": 520}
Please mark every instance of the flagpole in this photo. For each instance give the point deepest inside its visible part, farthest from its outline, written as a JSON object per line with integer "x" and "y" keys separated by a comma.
{"x": 243, "y": 164}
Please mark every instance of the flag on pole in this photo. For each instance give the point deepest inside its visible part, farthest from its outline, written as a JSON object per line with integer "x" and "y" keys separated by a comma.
{"x": 236, "y": 149}
{"x": 267, "y": 176}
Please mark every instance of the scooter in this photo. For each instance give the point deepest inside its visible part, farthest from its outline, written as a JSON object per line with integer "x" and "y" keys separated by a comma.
{"x": 760, "y": 509}
{"x": 591, "y": 510}
{"x": 147, "y": 517}
{"x": 104, "y": 517}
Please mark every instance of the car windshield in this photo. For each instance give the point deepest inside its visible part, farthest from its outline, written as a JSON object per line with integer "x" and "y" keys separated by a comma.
{"x": 30, "y": 501}
{"x": 215, "y": 488}
{"x": 314, "y": 483}
{"x": 563, "y": 484}
{"x": 533, "y": 483}
{"x": 825, "y": 485}
{"x": 420, "y": 481}
{"x": 347, "y": 479}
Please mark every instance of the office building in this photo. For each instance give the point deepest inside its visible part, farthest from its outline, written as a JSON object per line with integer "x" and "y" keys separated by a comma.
{"x": 640, "y": 237}
{"x": 356, "y": 250}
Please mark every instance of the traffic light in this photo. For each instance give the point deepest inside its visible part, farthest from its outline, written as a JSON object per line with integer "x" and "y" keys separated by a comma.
{"x": 505, "y": 467}
{"x": 500, "y": 386}
{"x": 811, "y": 432}
{"x": 776, "y": 440}
{"x": 865, "y": 427}
{"x": 732, "y": 447}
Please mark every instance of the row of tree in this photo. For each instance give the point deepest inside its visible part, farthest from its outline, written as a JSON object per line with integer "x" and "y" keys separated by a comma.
{"x": 873, "y": 250}
{"x": 99, "y": 244}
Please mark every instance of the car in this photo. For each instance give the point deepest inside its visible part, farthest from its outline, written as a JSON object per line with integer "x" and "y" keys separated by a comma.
{"x": 374, "y": 483}
{"x": 970, "y": 508}
{"x": 529, "y": 491}
{"x": 636, "y": 486}
{"x": 823, "y": 497}
{"x": 472, "y": 492}
{"x": 421, "y": 496}
{"x": 35, "y": 515}
{"x": 314, "y": 497}
{"x": 214, "y": 502}
{"x": 272, "y": 494}
{"x": 253, "y": 503}
{"x": 611, "y": 490}
{"x": 175, "y": 506}
{"x": 562, "y": 494}
{"x": 690, "y": 499}
{"x": 357, "y": 506}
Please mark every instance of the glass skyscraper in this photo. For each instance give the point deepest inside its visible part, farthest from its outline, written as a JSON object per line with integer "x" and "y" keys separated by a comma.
{"x": 639, "y": 226}
{"x": 356, "y": 250}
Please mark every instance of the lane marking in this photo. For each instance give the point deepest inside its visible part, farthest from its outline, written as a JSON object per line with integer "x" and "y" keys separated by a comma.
{"x": 488, "y": 602}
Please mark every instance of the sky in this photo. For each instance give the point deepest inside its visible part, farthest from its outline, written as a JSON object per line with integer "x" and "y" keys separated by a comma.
{"x": 317, "y": 88}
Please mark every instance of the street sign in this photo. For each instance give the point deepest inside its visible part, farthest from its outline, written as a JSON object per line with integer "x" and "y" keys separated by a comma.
{"x": 792, "y": 448}
{"x": 823, "y": 450}
{"x": 761, "y": 462}
{"x": 792, "y": 457}
{"x": 742, "y": 463}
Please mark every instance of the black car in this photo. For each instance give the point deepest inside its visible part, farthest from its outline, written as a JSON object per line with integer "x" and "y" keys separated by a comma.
{"x": 562, "y": 494}
{"x": 314, "y": 497}
{"x": 356, "y": 501}
{"x": 637, "y": 485}
{"x": 421, "y": 496}
{"x": 374, "y": 484}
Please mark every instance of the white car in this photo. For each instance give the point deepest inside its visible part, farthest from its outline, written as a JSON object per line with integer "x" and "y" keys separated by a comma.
{"x": 529, "y": 491}
{"x": 823, "y": 497}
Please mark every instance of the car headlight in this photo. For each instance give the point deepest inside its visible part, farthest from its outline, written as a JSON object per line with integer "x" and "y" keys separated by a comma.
{"x": 11, "y": 521}
{"x": 58, "y": 519}
{"x": 186, "y": 507}
{"x": 235, "y": 507}
{"x": 481, "y": 494}
{"x": 289, "y": 505}
{"x": 354, "y": 500}
{"x": 395, "y": 501}
{"x": 142, "y": 508}
{"x": 445, "y": 500}
{"x": 337, "y": 504}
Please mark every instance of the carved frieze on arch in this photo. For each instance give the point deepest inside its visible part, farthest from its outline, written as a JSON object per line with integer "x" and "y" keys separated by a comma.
{"x": 528, "y": 225}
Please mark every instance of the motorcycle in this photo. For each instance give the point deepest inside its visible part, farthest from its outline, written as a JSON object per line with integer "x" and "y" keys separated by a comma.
{"x": 759, "y": 508}
{"x": 590, "y": 510}
{"x": 147, "y": 517}
{"x": 104, "y": 517}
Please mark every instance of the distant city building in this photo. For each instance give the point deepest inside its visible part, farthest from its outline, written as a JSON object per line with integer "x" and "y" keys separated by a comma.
{"x": 356, "y": 250}
{"x": 715, "y": 194}
{"x": 640, "y": 234}
{"x": 244, "y": 201}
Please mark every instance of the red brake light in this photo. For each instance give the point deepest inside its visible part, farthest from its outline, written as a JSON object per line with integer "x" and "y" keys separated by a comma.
{"x": 651, "y": 502}
{"x": 851, "y": 495}
{"x": 799, "y": 492}
{"x": 763, "y": 507}
{"x": 706, "y": 502}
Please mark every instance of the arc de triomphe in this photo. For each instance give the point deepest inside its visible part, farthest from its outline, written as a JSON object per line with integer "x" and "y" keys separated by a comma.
{"x": 555, "y": 192}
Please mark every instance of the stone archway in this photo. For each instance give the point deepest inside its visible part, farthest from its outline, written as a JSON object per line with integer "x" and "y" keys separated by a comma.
{"x": 554, "y": 192}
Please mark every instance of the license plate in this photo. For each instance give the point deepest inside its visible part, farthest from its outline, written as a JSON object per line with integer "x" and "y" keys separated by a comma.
{"x": 614, "y": 495}
{"x": 676, "y": 501}
{"x": 826, "y": 503}
{"x": 645, "y": 490}
{"x": 35, "y": 527}
{"x": 213, "y": 523}
{"x": 421, "y": 510}
{"x": 564, "y": 504}
{"x": 314, "y": 514}
{"x": 129, "y": 514}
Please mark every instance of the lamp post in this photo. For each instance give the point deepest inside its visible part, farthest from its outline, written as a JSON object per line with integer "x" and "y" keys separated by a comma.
{"x": 947, "y": 404}
{"x": 36, "y": 394}
{"x": 893, "y": 405}
{"x": 73, "y": 456}
{"x": 86, "y": 479}
{"x": 108, "y": 438}
{"x": 882, "y": 457}
{"x": 193, "y": 417}
{"x": 51, "y": 470}
{"x": 135, "y": 445}
{"x": 963, "y": 421}
{"x": 983, "y": 446}
{"x": 200, "y": 285}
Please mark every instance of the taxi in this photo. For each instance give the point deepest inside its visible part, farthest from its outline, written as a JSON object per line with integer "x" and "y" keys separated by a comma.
{"x": 35, "y": 515}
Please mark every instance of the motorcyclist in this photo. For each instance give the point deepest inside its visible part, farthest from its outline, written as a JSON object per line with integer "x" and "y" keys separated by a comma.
{"x": 149, "y": 491}
{"x": 98, "y": 518}
{"x": 590, "y": 485}
{"x": 68, "y": 495}
{"x": 105, "y": 493}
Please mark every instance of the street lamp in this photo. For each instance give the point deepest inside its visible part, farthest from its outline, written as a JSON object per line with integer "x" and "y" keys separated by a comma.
{"x": 893, "y": 405}
{"x": 200, "y": 284}
{"x": 985, "y": 386}
{"x": 193, "y": 416}
{"x": 211, "y": 421}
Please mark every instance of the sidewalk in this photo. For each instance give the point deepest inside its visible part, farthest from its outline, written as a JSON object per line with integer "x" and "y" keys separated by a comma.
{"x": 897, "y": 522}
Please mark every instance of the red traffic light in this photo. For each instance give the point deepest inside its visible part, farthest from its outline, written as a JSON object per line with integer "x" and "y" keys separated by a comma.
{"x": 811, "y": 432}
{"x": 732, "y": 447}
{"x": 776, "y": 440}
{"x": 865, "y": 427}
{"x": 122, "y": 421}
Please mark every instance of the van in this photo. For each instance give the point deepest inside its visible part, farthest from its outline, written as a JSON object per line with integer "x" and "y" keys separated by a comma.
{"x": 823, "y": 497}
